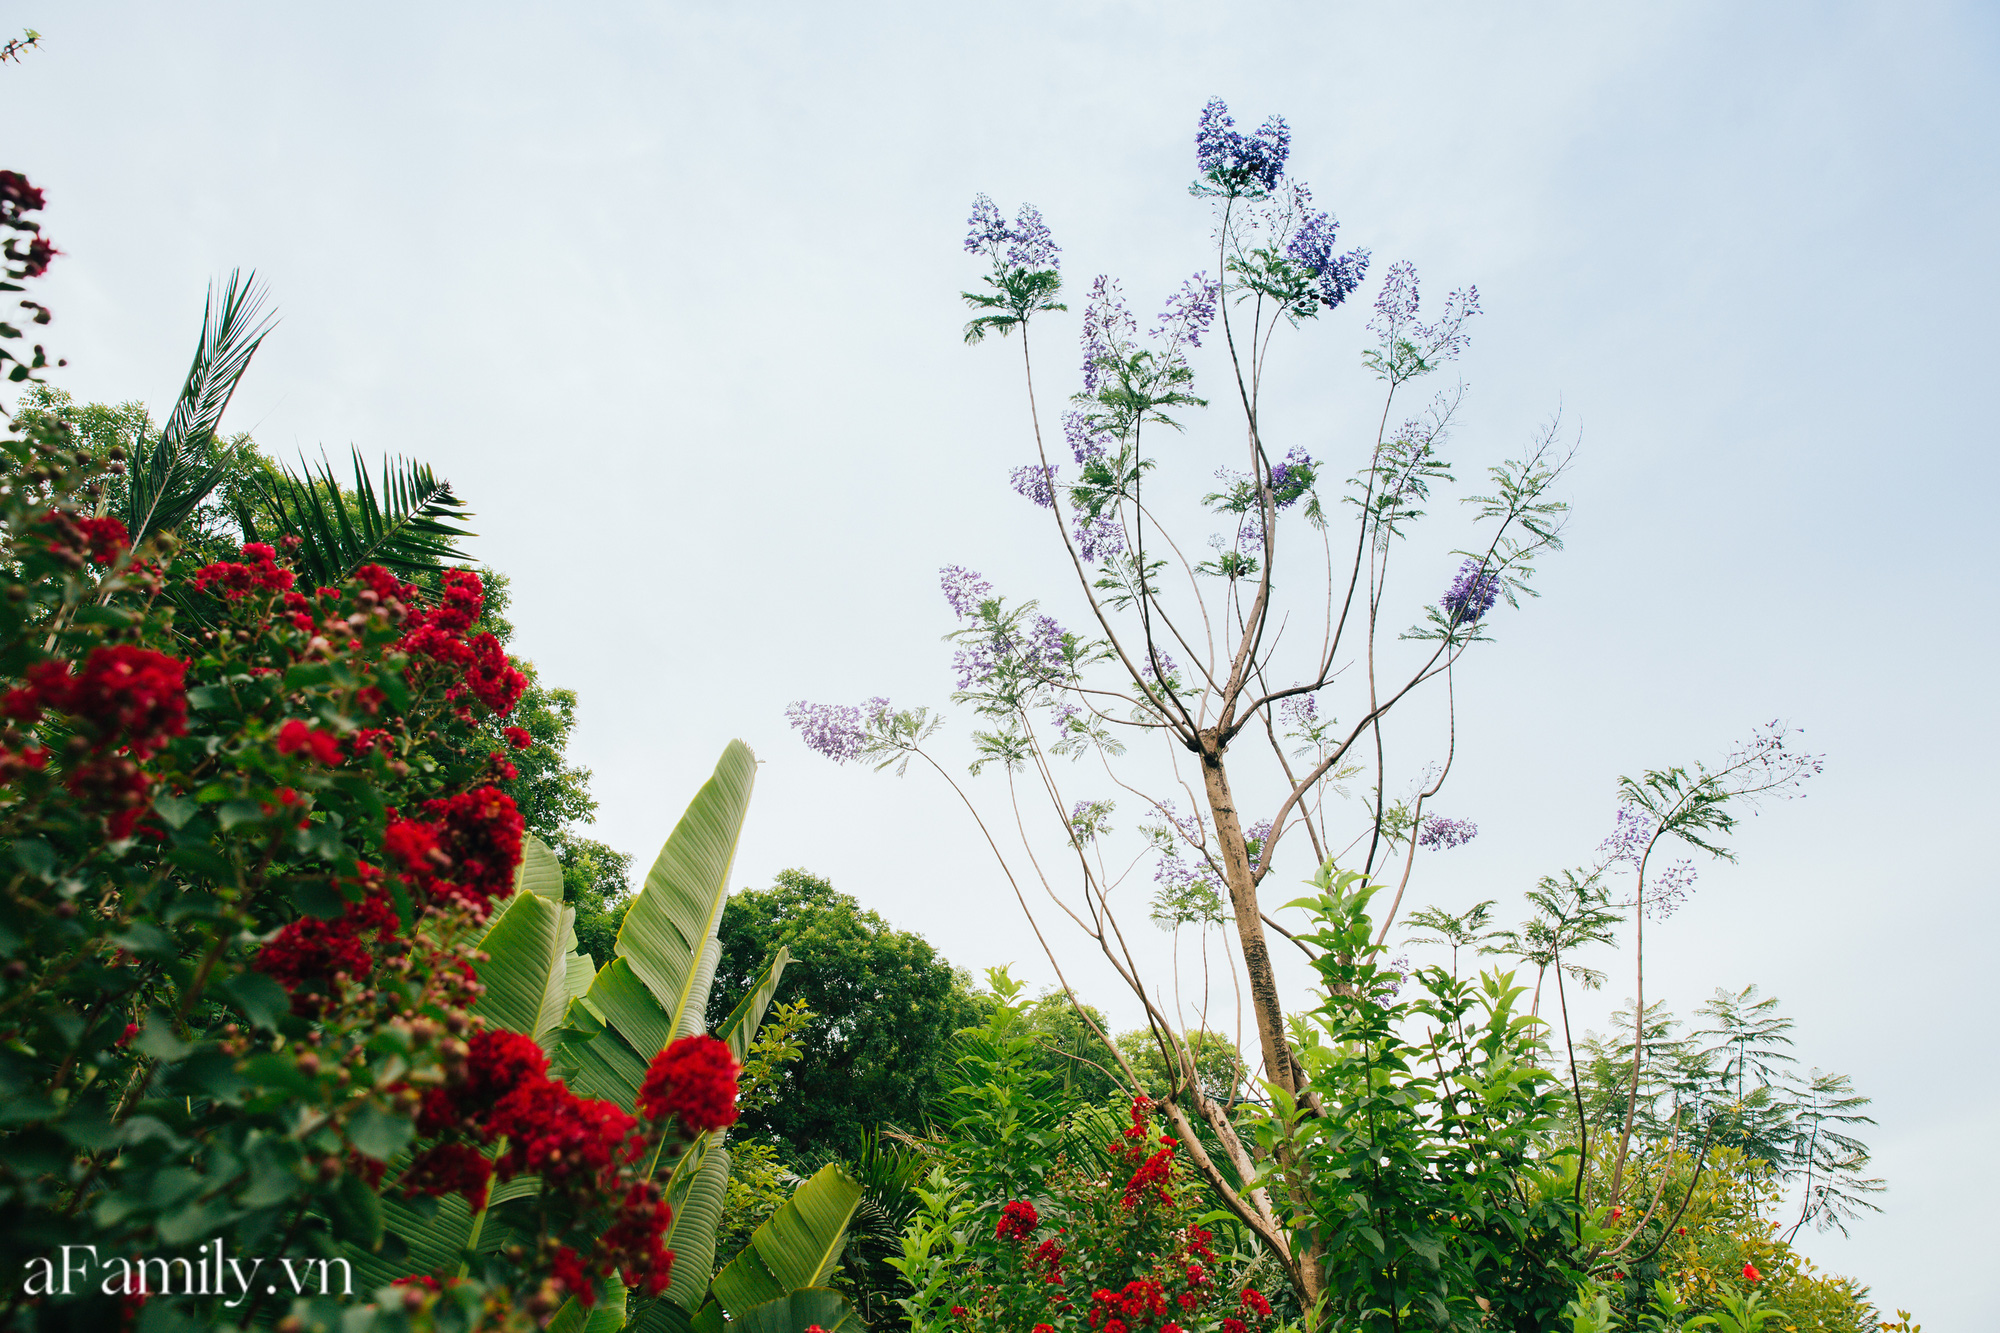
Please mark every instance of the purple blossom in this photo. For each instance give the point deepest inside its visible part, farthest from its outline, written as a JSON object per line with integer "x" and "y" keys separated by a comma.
{"x": 1631, "y": 835}
{"x": 964, "y": 589}
{"x": 1670, "y": 889}
{"x": 1301, "y": 710}
{"x": 838, "y": 731}
{"x": 1189, "y": 311}
{"x": 1086, "y": 819}
{"x": 1311, "y": 248}
{"x": 1439, "y": 833}
{"x": 1085, "y": 442}
{"x": 1025, "y": 244}
{"x": 1395, "y": 975}
{"x": 1168, "y": 668}
{"x": 1037, "y": 653}
{"x": 1290, "y": 478}
{"x": 1259, "y": 835}
{"x": 1067, "y": 719}
{"x": 1471, "y": 594}
{"x": 1395, "y": 318}
{"x": 1036, "y": 482}
{"x": 1099, "y": 538}
{"x": 1240, "y": 163}
{"x": 1108, "y": 330}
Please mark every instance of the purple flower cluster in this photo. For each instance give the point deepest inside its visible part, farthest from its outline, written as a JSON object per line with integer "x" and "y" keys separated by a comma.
{"x": 1085, "y": 441}
{"x": 1257, "y": 836}
{"x": 1099, "y": 538}
{"x": 1108, "y": 331}
{"x": 1189, "y": 312}
{"x": 1395, "y": 318}
{"x": 1631, "y": 834}
{"x": 1439, "y": 833}
{"x": 964, "y": 589}
{"x": 1300, "y": 710}
{"x": 1168, "y": 668}
{"x": 1290, "y": 478}
{"x": 1670, "y": 889}
{"x": 1471, "y": 594}
{"x": 1037, "y": 654}
{"x": 1087, "y": 819}
{"x": 1023, "y": 244}
{"x": 1240, "y": 163}
{"x": 1036, "y": 482}
{"x": 838, "y": 731}
{"x": 1311, "y": 248}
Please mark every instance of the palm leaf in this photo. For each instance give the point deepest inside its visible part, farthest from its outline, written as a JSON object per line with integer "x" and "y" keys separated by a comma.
{"x": 170, "y": 475}
{"x": 797, "y": 1247}
{"x": 407, "y": 524}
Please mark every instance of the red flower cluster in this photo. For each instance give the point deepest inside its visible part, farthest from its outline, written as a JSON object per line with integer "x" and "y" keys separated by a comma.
{"x": 316, "y": 951}
{"x": 1253, "y": 1301}
{"x": 1751, "y": 1275}
{"x": 693, "y": 1080}
{"x": 73, "y": 539}
{"x": 579, "y": 1146}
{"x": 1142, "y": 1301}
{"x": 518, "y": 737}
{"x": 1018, "y": 1221}
{"x": 321, "y": 746}
{"x": 234, "y": 579}
{"x": 437, "y": 634}
{"x": 466, "y": 850}
{"x": 450, "y": 1168}
{"x": 125, "y": 705}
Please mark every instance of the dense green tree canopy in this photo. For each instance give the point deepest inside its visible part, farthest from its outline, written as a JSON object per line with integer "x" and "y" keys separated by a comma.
{"x": 887, "y": 1009}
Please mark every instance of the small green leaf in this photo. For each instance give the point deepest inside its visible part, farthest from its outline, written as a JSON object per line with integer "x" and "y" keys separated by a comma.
{"x": 176, "y": 810}
{"x": 379, "y": 1134}
{"x": 258, "y": 997}
{"x": 36, "y": 857}
{"x": 355, "y": 1211}
{"x": 158, "y": 1039}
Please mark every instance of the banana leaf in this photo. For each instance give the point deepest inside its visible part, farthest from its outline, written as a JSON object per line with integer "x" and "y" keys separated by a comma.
{"x": 797, "y": 1247}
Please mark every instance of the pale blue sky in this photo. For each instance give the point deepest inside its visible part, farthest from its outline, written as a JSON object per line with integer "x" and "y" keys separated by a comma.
{"x": 669, "y": 292}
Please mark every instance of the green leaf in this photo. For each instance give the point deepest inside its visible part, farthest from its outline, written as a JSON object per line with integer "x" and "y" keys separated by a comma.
{"x": 355, "y": 1212}
{"x": 408, "y": 524}
{"x": 539, "y": 872}
{"x": 380, "y": 1134}
{"x": 697, "y": 1209}
{"x": 607, "y": 1316}
{"x": 656, "y": 989}
{"x": 522, "y": 958}
{"x": 797, "y": 1247}
{"x": 261, "y": 999}
{"x": 795, "y": 1312}
{"x": 176, "y": 810}
{"x": 740, "y": 1028}
{"x": 670, "y": 921}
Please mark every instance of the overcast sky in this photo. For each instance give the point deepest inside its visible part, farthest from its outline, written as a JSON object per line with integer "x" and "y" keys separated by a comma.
{"x": 669, "y": 293}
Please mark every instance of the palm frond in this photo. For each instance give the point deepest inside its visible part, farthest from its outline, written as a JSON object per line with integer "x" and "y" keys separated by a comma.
{"x": 172, "y": 473}
{"x": 407, "y": 524}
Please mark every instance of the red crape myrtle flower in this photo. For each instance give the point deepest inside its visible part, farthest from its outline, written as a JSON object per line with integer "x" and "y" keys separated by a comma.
{"x": 563, "y": 1138}
{"x": 569, "y": 1271}
{"x": 312, "y": 949}
{"x": 1234, "y": 1326}
{"x": 318, "y": 745}
{"x": 1018, "y": 1221}
{"x": 497, "y": 1062}
{"x": 635, "y": 1243}
{"x": 259, "y": 571}
{"x": 518, "y": 737}
{"x": 1750, "y": 1273}
{"x": 693, "y": 1080}
{"x": 1253, "y": 1300}
{"x": 450, "y": 1168}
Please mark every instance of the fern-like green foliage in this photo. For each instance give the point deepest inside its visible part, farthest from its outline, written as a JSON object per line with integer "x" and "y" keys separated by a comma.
{"x": 171, "y": 473}
{"x": 407, "y": 523}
